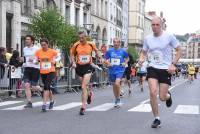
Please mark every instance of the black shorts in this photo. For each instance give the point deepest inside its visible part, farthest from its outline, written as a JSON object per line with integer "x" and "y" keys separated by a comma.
{"x": 160, "y": 74}
{"x": 47, "y": 80}
{"x": 81, "y": 70}
{"x": 141, "y": 75}
{"x": 31, "y": 75}
{"x": 127, "y": 73}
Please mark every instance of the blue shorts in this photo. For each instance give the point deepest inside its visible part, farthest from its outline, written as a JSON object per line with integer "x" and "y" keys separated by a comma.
{"x": 118, "y": 75}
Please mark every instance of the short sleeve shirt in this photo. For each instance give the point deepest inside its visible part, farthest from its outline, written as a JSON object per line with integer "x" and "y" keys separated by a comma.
{"x": 159, "y": 49}
{"x": 116, "y": 58}
{"x": 46, "y": 58}
{"x": 83, "y": 52}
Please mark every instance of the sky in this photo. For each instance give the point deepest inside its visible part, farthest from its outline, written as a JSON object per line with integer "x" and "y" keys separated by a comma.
{"x": 182, "y": 16}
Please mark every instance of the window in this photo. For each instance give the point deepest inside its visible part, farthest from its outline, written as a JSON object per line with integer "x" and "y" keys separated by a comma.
{"x": 26, "y": 7}
{"x": 102, "y": 8}
{"x": 106, "y": 12}
{"x": 67, "y": 14}
{"x": 77, "y": 17}
{"x": 35, "y": 4}
{"x": 85, "y": 18}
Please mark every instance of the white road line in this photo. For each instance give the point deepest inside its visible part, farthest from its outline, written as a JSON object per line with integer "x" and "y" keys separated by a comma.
{"x": 141, "y": 108}
{"x": 103, "y": 107}
{"x": 145, "y": 101}
{"x": 187, "y": 109}
{"x": 67, "y": 106}
{"x": 9, "y": 103}
{"x": 21, "y": 107}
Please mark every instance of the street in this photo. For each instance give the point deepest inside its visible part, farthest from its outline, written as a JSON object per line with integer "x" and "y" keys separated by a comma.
{"x": 134, "y": 116}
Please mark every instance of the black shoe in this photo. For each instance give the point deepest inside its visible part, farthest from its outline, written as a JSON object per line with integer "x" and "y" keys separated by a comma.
{"x": 89, "y": 99}
{"x": 28, "y": 105}
{"x": 44, "y": 109}
{"x": 156, "y": 123}
{"x": 169, "y": 101}
{"x": 129, "y": 92}
{"x": 51, "y": 104}
{"x": 82, "y": 111}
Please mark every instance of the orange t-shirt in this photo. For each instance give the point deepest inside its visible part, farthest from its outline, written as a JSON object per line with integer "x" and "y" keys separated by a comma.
{"x": 83, "y": 52}
{"x": 46, "y": 58}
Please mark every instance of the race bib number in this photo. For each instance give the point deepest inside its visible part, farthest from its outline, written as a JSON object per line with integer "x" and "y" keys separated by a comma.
{"x": 46, "y": 65}
{"x": 115, "y": 61}
{"x": 156, "y": 57}
{"x": 84, "y": 58}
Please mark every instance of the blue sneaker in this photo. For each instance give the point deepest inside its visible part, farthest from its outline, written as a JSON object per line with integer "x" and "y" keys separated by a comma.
{"x": 44, "y": 109}
{"x": 51, "y": 104}
{"x": 117, "y": 103}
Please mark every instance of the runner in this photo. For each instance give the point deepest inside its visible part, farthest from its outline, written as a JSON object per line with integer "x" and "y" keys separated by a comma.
{"x": 191, "y": 72}
{"x": 116, "y": 59}
{"x": 141, "y": 74}
{"x": 81, "y": 57}
{"x": 31, "y": 70}
{"x": 158, "y": 46}
{"x": 47, "y": 58}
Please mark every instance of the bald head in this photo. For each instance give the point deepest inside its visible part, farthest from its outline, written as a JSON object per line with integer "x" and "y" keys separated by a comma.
{"x": 156, "y": 25}
{"x": 116, "y": 42}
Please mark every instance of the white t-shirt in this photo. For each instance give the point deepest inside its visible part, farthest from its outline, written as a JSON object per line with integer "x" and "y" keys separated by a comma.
{"x": 159, "y": 49}
{"x": 29, "y": 53}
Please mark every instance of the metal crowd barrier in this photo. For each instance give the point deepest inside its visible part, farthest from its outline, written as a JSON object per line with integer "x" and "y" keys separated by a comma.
{"x": 11, "y": 79}
{"x": 71, "y": 80}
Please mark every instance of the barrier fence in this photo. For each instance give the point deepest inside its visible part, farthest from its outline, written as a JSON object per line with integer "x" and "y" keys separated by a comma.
{"x": 11, "y": 79}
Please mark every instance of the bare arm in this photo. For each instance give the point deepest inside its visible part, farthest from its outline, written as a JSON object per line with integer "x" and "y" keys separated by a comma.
{"x": 178, "y": 55}
{"x": 142, "y": 56}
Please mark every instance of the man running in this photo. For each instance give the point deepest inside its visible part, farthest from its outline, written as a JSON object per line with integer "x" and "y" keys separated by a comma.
{"x": 81, "y": 56}
{"x": 141, "y": 74}
{"x": 158, "y": 46}
{"x": 31, "y": 70}
{"x": 116, "y": 60}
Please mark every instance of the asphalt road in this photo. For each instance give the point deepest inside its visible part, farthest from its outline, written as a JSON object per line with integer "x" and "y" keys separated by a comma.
{"x": 134, "y": 116}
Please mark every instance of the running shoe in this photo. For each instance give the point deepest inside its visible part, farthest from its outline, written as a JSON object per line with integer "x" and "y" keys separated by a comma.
{"x": 89, "y": 99}
{"x": 117, "y": 103}
{"x": 169, "y": 101}
{"x": 28, "y": 105}
{"x": 129, "y": 91}
{"x": 51, "y": 104}
{"x": 44, "y": 109}
{"x": 156, "y": 123}
{"x": 82, "y": 111}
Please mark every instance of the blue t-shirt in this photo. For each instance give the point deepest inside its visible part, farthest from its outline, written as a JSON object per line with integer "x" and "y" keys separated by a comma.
{"x": 116, "y": 58}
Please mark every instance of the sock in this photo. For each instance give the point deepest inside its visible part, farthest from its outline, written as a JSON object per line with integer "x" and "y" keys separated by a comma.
{"x": 158, "y": 117}
{"x": 168, "y": 96}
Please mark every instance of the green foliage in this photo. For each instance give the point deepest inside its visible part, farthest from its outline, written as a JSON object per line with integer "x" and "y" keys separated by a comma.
{"x": 51, "y": 25}
{"x": 132, "y": 51}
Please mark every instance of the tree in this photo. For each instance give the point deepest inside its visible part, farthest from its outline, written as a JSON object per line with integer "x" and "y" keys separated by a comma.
{"x": 51, "y": 25}
{"x": 132, "y": 51}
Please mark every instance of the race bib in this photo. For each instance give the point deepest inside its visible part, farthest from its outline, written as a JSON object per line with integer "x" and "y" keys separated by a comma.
{"x": 46, "y": 65}
{"x": 115, "y": 61}
{"x": 84, "y": 58}
{"x": 156, "y": 57}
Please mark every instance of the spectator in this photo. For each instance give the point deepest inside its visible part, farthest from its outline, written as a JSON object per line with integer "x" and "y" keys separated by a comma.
{"x": 3, "y": 61}
{"x": 15, "y": 61}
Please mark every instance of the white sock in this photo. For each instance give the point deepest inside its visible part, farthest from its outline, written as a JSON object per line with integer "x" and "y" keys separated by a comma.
{"x": 158, "y": 117}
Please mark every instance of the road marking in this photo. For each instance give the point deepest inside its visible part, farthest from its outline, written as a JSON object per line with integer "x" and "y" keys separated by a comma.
{"x": 9, "y": 103}
{"x": 67, "y": 106}
{"x": 103, "y": 107}
{"x": 141, "y": 108}
{"x": 21, "y": 107}
{"x": 187, "y": 109}
{"x": 148, "y": 100}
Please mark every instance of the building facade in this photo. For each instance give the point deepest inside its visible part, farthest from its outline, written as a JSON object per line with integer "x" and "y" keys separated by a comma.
{"x": 99, "y": 21}
{"x": 136, "y": 23}
{"x": 16, "y": 14}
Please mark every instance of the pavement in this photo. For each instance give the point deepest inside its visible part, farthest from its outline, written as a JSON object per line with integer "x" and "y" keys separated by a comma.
{"x": 133, "y": 117}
